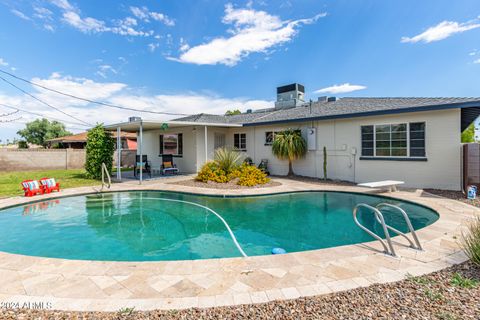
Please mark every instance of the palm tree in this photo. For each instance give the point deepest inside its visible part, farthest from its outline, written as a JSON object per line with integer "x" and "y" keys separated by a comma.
{"x": 289, "y": 145}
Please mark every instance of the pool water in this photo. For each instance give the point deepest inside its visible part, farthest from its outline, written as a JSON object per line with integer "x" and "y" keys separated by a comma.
{"x": 139, "y": 226}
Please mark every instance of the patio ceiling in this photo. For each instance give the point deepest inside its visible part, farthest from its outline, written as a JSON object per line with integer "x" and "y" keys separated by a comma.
{"x": 134, "y": 126}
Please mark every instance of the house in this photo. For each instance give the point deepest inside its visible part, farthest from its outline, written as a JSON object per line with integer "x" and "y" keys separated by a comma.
{"x": 79, "y": 141}
{"x": 416, "y": 140}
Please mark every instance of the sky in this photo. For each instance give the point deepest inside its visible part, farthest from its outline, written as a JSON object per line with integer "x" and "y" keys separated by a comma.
{"x": 192, "y": 56}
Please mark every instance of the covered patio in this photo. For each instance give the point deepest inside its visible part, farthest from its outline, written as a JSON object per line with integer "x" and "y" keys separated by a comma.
{"x": 188, "y": 144}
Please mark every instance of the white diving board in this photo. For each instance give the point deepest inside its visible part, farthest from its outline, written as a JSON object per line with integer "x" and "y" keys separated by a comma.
{"x": 390, "y": 184}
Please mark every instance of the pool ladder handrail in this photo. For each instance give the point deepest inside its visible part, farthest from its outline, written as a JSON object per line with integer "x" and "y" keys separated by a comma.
{"x": 380, "y": 219}
{"x": 105, "y": 173}
{"x": 388, "y": 246}
{"x": 413, "y": 245}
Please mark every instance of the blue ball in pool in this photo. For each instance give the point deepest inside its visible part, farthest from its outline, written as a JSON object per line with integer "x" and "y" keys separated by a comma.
{"x": 278, "y": 251}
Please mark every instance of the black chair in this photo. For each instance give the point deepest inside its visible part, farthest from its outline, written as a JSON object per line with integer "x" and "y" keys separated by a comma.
{"x": 264, "y": 166}
{"x": 146, "y": 167}
{"x": 168, "y": 165}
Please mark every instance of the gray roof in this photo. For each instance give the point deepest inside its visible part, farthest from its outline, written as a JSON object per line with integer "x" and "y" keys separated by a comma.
{"x": 342, "y": 108}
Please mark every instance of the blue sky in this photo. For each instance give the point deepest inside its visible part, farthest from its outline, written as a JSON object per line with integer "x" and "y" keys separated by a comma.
{"x": 210, "y": 56}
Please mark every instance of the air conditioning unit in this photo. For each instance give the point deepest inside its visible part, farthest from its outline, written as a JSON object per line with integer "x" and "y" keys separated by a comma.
{"x": 134, "y": 119}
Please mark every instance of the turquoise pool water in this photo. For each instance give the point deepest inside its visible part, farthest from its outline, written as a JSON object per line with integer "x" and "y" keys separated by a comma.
{"x": 138, "y": 226}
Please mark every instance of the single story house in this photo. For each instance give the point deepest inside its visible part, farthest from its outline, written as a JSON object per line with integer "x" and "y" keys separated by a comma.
{"x": 79, "y": 141}
{"x": 416, "y": 140}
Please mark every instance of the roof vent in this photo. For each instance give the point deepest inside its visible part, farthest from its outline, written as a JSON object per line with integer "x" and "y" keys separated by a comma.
{"x": 332, "y": 99}
{"x": 249, "y": 110}
{"x": 323, "y": 99}
{"x": 134, "y": 119}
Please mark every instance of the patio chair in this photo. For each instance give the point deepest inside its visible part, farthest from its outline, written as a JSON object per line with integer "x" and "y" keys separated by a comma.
{"x": 49, "y": 185}
{"x": 31, "y": 188}
{"x": 167, "y": 165}
{"x": 264, "y": 166}
{"x": 145, "y": 165}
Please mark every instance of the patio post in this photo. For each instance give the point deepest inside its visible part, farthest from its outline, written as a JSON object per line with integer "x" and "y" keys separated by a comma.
{"x": 141, "y": 152}
{"x": 206, "y": 144}
{"x": 119, "y": 155}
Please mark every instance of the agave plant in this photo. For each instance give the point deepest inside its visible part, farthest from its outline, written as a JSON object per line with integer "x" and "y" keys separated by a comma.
{"x": 228, "y": 159}
{"x": 289, "y": 145}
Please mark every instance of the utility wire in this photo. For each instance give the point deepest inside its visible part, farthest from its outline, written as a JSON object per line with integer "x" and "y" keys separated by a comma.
{"x": 92, "y": 101}
{"x": 43, "y": 116}
{"x": 10, "y": 120}
{"x": 10, "y": 113}
{"x": 45, "y": 103}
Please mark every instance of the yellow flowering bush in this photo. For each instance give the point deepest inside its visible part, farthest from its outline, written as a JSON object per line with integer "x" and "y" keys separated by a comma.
{"x": 212, "y": 172}
{"x": 247, "y": 175}
{"x": 251, "y": 176}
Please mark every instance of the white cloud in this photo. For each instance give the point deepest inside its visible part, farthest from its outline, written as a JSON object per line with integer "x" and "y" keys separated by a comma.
{"x": 116, "y": 93}
{"x": 105, "y": 69}
{"x": 253, "y": 31}
{"x": 3, "y": 63}
{"x": 477, "y": 61}
{"x": 442, "y": 31}
{"x": 63, "y": 4}
{"x": 342, "y": 88}
{"x": 144, "y": 14}
{"x": 153, "y": 46}
{"x": 20, "y": 14}
{"x": 85, "y": 25}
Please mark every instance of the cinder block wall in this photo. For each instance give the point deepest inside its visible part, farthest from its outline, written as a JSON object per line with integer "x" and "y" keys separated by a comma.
{"x": 41, "y": 159}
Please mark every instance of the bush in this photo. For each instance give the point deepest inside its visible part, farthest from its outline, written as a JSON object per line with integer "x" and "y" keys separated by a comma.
{"x": 227, "y": 159}
{"x": 247, "y": 175}
{"x": 250, "y": 176}
{"x": 100, "y": 148}
{"x": 212, "y": 172}
{"x": 471, "y": 241}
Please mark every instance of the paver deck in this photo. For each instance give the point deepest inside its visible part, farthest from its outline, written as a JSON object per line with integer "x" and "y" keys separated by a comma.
{"x": 110, "y": 286}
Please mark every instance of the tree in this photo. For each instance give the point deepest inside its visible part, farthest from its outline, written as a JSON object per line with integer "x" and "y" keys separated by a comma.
{"x": 468, "y": 135}
{"x": 289, "y": 145}
{"x": 233, "y": 112}
{"x": 39, "y": 131}
{"x": 100, "y": 149}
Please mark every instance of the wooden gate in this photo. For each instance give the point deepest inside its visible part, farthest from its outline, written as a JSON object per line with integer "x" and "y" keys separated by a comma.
{"x": 471, "y": 165}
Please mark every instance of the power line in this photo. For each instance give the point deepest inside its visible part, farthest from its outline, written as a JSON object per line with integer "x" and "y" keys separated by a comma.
{"x": 92, "y": 101}
{"x": 45, "y": 103}
{"x": 9, "y": 114}
{"x": 43, "y": 116}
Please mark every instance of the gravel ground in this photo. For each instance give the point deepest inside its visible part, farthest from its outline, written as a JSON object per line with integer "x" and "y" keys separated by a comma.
{"x": 456, "y": 195}
{"x": 229, "y": 185}
{"x": 452, "y": 293}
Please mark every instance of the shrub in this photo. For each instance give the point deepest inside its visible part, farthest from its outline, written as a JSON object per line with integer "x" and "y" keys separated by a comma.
{"x": 227, "y": 159}
{"x": 471, "y": 241}
{"x": 100, "y": 148}
{"x": 212, "y": 172}
{"x": 247, "y": 175}
{"x": 250, "y": 176}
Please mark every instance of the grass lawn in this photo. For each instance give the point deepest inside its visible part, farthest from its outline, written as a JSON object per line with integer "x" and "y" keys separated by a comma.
{"x": 10, "y": 181}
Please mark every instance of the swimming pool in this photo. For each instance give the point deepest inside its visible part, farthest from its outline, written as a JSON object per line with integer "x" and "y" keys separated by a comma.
{"x": 155, "y": 225}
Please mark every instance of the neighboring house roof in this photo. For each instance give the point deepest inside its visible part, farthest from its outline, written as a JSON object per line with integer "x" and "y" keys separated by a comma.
{"x": 341, "y": 108}
{"x": 82, "y": 137}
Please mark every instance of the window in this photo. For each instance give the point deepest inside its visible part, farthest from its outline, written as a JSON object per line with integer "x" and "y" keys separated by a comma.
{"x": 171, "y": 144}
{"x": 394, "y": 140}
{"x": 240, "y": 141}
{"x": 269, "y": 137}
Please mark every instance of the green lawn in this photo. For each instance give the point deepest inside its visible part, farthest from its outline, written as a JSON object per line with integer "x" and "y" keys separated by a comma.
{"x": 10, "y": 181}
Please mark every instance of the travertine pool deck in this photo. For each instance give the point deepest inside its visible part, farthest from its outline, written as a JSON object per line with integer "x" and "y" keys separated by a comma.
{"x": 110, "y": 286}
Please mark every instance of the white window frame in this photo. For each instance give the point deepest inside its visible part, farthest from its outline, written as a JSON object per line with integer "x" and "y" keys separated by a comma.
{"x": 240, "y": 141}
{"x": 408, "y": 140}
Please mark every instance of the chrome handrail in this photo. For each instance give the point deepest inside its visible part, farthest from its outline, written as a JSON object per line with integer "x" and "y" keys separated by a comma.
{"x": 415, "y": 245}
{"x": 379, "y": 217}
{"x": 105, "y": 172}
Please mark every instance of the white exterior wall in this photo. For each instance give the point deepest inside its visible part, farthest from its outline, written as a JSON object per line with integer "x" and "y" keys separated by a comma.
{"x": 151, "y": 147}
{"x": 442, "y": 139}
